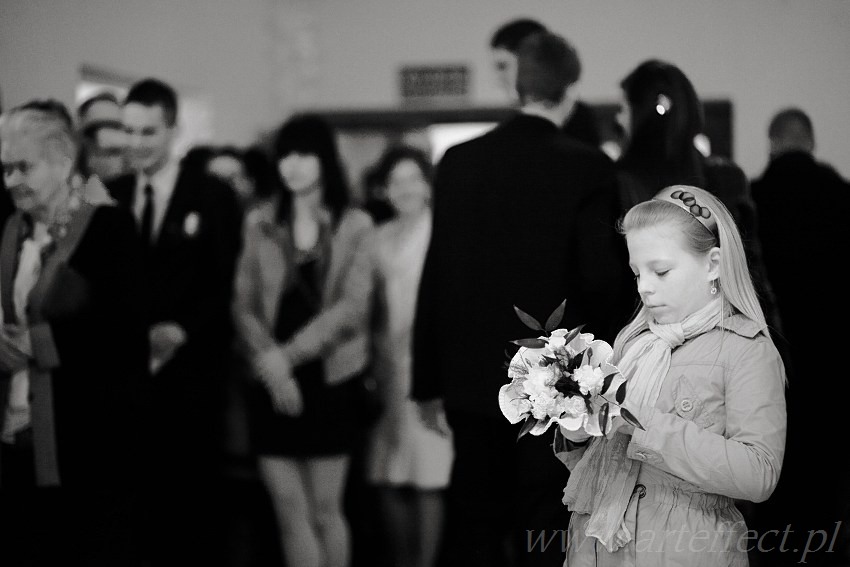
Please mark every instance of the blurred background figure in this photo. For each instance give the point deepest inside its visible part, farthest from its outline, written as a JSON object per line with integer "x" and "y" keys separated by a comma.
{"x": 227, "y": 163}
{"x": 376, "y": 203}
{"x": 189, "y": 226}
{"x": 661, "y": 116}
{"x": 523, "y": 191}
{"x": 408, "y": 462}
{"x": 581, "y": 121}
{"x": 262, "y": 174}
{"x": 102, "y": 136}
{"x": 73, "y": 357}
{"x": 802, "y": 207}
{"x": 6, "y": 206}
{"x": 309, "y": 358}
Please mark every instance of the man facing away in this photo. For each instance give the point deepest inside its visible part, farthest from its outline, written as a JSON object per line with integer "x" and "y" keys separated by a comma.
{"x": 802, "y": 206}
{"x": 523, "y": 216}
{"x": 580, "y": 121}
{"x": 190, "y": 230}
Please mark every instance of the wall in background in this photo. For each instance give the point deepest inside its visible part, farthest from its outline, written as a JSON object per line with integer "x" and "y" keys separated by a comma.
{"x": 218, "y": 51}
{"x": 258, "y": 60}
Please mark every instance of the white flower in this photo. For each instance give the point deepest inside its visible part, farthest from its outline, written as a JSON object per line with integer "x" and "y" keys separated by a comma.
{"x": 523, "y": 361}
{"x": 575, "y": 413}
{"x": 513, "y": 402}
{"x": 574, "y": 406}
{"x": 590, "y": 379}
{"x": 545, "y": 376}
{"x": 556, "y": 339}
{"x": 544, "y": 406}
{"x": 579, "y": 344}
{"x": 539, "y": 393}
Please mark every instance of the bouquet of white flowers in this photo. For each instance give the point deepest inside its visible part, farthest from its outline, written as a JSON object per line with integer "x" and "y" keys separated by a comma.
{"x": 563, "y": 377}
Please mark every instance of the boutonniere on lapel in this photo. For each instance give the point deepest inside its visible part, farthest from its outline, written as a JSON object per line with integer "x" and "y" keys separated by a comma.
{"x": 192, "y": 224}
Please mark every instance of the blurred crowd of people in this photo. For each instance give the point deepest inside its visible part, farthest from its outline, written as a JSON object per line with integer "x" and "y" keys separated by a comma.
{"x": 169, "y": 319}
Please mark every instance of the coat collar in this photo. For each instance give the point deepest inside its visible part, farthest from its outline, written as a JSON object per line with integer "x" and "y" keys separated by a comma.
{"x": 525, "y": 121}
{"x": 742, "y": 325}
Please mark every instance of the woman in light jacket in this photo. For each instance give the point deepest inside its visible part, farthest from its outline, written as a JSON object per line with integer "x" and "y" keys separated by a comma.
{"x": 307, "y": 354}
{"x": 706, "y": 384}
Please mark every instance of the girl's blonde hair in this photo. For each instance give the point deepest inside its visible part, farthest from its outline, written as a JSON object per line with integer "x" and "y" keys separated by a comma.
{"x": 734, "y": 282}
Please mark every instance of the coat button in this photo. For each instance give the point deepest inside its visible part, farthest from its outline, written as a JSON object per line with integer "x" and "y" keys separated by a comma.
{"x": 686, "y": 405}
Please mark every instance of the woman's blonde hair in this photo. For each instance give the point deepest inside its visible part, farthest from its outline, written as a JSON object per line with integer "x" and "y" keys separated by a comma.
{"x": 734, "y": 283}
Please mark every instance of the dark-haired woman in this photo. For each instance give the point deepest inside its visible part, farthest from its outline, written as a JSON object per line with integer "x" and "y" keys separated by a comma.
{"x": 306, "y": 353}
{"x": 663, "y": 122}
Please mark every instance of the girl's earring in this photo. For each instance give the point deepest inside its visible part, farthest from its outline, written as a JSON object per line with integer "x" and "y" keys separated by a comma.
{"x": 713, "y": 288}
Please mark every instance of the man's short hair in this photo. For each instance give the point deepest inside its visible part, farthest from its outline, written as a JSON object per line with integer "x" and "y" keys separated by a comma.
{"x": 104, "y": 96}
{"x": 153, "y": 92}
{"x": 793, "y": 126}
{"x": 510, "y": 35}
{"x": 546, "y": 65}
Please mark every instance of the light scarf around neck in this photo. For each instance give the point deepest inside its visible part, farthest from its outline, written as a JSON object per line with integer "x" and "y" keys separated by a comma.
{"x": 603, "y": 481}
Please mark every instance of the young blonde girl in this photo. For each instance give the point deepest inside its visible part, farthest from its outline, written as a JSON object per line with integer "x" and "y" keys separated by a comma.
{"x": 706, "y": 383}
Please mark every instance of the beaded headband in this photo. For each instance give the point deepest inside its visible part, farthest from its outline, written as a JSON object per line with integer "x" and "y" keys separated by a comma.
{"x": 687, "y": 201}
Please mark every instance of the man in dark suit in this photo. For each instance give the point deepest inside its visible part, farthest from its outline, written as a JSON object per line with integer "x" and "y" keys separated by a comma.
{"x": 802, "y": 206}
{"x": 580, "y": 121}
{"x": 191, "y": 229}
{"x": 523, "y": 216}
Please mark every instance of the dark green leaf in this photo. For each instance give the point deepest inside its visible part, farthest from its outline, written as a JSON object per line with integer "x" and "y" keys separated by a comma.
{"x": 620, "y": 396}
{"x": 555, "y": 318}
{"x": 530, "y": 343}
{"x": 527, "y": 425}
{"x": 606, "y": 382}
{"x": 574, "y": 363}
{"x": 603, "y": 418}
{"x": 529, "y": 321}
{"x": 559, "y": 444}
{"x": 627, "y": 415}
{"x": 573, "y": 334}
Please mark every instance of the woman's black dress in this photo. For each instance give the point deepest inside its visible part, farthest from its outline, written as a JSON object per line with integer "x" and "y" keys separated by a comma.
{"x": 328, "y": 424}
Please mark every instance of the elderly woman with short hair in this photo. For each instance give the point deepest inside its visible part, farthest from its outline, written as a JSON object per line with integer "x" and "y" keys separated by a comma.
{"x": 73, "y": 356}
